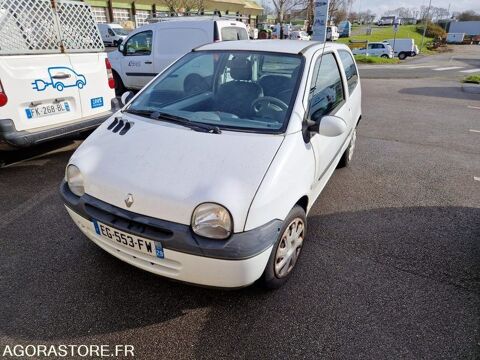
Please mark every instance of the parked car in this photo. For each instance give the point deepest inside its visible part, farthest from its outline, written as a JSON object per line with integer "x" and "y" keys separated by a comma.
{"x": 112, "y": 34}
{"x": 51, "y": 84}
{"x": 383, "y": 50}
{"x": 151, "y": 48}
{"x": 403, "y": 48}
{"x": 211, "y": 184}
{"x": 332, "y": 33}
{"x": 299, "y": 35}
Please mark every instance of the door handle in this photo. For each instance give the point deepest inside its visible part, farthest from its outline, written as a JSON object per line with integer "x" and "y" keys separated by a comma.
{"x": 61, "y": 76}
{"x": 148, "y": 62}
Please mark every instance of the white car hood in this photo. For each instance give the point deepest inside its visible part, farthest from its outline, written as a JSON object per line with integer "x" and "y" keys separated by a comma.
{"x": 170, "y": 169}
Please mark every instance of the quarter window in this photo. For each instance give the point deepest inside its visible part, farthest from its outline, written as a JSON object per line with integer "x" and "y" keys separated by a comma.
{"x": 350, "y": 69}
{"x": 327, "y": 88}
{"x": 139, "y": 44}
{"x": 234, "y": 33}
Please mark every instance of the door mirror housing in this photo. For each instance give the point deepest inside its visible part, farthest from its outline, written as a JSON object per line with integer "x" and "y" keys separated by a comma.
{"x": 328, "y": 125}
{"x": 121, "y": 48}
{"x": 126, "y": 97}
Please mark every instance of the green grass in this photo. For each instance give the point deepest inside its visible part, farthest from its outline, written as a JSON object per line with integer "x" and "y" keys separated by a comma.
{"x": 472, "y": 79}
{"x": 381, "y": 33}
{"x": 362, "y": 59}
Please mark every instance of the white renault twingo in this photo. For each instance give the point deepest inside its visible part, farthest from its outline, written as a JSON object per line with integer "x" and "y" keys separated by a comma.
{"x": 207, "y": 174}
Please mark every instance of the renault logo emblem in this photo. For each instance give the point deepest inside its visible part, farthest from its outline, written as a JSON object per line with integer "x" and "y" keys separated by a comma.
{"x": 129, "y": 200}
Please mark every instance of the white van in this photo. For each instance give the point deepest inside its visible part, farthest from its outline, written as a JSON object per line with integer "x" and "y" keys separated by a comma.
{"x": 212, "y": 185}
{"x": 112, "y": 34}
{"x": 332, "y": 33}
{"x": 403, "y": 48}
{"x": 150, "y": 49}
{"x": 55, "y": 78}
{"x": 383, "y": 50}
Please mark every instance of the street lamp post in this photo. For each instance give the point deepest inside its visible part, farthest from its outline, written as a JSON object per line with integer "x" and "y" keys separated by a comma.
{"x": 426, "y": 23}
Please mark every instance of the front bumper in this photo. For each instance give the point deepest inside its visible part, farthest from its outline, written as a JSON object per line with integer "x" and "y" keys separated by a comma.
{"x": 235, "y": 262}
{"x": 11, "y": 138}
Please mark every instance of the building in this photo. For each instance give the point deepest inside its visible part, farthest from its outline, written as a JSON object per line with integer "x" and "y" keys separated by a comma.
{"x": 135, "y": 13}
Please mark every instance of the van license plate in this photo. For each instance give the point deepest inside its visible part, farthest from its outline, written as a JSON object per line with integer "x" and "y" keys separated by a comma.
{"x": 47, "y": 109}
{"x": 148, "y": 247}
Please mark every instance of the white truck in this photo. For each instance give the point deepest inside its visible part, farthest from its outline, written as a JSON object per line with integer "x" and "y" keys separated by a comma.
{"x": 403, "y": 48}
{"x": 112, "y": 34}
{"x": 55, "y": 78}
{"x": 150, "y": 49}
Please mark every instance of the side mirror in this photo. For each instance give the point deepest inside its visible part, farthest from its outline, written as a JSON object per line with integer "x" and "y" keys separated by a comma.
{"x": 328, "y": 125}
{"x": 121, "y": 48}
{"x": 126, "y": 97}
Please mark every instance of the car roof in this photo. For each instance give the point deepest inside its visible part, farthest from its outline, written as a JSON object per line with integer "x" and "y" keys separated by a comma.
{"x": 278, "y": 46}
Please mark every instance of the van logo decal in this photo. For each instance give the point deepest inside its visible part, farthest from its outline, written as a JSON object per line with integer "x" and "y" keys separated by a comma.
{"x": 129, "y": 200}
{"x": 96, "y": 102}
{"x": 60, "y": 77}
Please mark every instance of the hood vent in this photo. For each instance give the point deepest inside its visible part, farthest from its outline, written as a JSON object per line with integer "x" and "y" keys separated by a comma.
{"x": 120, "y": 125}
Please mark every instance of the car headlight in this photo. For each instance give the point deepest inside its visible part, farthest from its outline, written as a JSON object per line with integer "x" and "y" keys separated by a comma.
{"x": 74, "y": 178}
{"x": 212, "y": 221}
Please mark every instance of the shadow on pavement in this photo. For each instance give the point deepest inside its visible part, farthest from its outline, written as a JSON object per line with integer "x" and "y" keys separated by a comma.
{"x": 369, "y": 282}
{"x": 452, "y": 92}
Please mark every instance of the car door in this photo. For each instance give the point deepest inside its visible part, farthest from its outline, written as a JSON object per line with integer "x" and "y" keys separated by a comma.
{"x": 328, "y": 96}
{"x": 138, "y": 59}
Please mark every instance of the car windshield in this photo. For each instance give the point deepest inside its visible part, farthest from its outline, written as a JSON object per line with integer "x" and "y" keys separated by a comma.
{"x": 237, "y": 90}
{"x": 120, "y": 31}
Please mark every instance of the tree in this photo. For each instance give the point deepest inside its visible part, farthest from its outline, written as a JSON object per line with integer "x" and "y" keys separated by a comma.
{"x": 282, "y": 7}
{"x": 190, "y": 5}
{"x": 468, "y": 15}
{"x": 173, "y": 5}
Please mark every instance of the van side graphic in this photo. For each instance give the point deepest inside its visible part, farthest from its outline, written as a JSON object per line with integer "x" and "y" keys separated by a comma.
{"x": 60, "y": 77}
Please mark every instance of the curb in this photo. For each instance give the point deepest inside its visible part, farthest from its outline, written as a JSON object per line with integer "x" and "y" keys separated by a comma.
{"x": 471, "y": 88}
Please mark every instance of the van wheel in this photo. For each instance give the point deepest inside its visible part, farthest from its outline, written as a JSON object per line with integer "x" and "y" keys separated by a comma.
{"x": 385, "y": 56}
{"x": 287, "y": 249}
{"x": 402, "y": 56}
{"x": 348, "y": 154}
{"x": 119, "y": 87}
{"x": 59, "y": 86}
{"x": 115, "y": 43}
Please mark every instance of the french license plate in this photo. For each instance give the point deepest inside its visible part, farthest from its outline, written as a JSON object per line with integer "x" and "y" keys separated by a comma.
{"x": 127, "y": 240}
{"x": 47, "y": 109}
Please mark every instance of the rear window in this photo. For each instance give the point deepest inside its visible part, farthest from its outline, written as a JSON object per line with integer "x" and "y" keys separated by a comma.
{"x": 234, "y": 33}
{"x": 277, "y": 65}
{"x": 350, "y": 69}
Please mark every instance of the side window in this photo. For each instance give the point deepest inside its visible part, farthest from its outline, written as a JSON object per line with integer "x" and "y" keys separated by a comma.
{"x": 139, "y": 44}
{"x": 110, "y": 32}
{"x": 350, "y": 69}
{"x": 327, "y": 88}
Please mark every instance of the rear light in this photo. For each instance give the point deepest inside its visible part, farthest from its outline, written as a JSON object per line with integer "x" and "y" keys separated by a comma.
{"x": 3, "y": 96}
{"x": 111, "y": 80}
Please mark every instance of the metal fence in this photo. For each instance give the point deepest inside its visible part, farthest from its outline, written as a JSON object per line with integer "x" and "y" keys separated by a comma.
{"x": 46, "y": 27}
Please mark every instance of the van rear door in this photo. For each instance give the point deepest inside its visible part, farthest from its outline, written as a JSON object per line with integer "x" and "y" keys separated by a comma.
{"x": 231, "y": 30}
{"x": 95, "y": 94}
{"x": 40, "y": 93}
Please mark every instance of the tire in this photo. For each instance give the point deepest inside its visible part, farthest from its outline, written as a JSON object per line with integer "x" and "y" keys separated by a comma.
{"x": 348, "y": 154}
{"x": 115, "y": 43}
{"x": 119, "y": 87}
{"x": 275, "y": 276}
{"x": 59, "y": 86}
{"x": 80, "y": 84}
{"x": 385, "y": 56}
{"x": 402, "y": 56}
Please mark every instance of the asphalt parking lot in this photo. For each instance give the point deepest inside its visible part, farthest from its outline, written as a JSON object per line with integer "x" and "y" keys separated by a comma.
{"x": 391, "y": 268}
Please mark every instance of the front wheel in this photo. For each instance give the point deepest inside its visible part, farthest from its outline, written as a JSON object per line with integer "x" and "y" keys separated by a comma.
{"x": 402, "y": 56}
{"x": 385, "y": 56}
{"x": 287, "y": 249}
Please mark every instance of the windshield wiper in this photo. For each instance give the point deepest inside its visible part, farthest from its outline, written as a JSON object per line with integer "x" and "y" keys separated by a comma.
{"x": 144, "y": 113}
{"x": 175, "y": 119}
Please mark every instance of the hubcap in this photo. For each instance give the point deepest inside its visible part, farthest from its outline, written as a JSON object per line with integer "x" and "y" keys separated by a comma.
{"x": 289, "y": 248}
{"x": 352, "y": 145}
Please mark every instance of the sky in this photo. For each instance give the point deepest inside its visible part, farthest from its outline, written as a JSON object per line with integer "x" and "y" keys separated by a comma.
{"x": 380, "y": 6}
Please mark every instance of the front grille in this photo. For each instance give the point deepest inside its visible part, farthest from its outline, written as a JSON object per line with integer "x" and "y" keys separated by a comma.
{"x": 125, "y": 221}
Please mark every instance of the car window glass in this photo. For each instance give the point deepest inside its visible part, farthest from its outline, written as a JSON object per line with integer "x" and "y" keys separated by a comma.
{"x": 349, "y": 68}
{"x": 139, "y": 44}
{"x": 110, "y": 32}
{"x": 327, "y": 88}
{"x": 234, "y": 33}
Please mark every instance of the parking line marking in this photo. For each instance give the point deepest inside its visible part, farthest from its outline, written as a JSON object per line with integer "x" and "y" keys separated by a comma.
{"x": 475, "y": 131}
{"x": 470, "y": 71}
{"x": 419, "y": 66}
{"x": 476, "y": 178}
{"x": 473, "y": 107}
{"x": 448, "y": 68}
